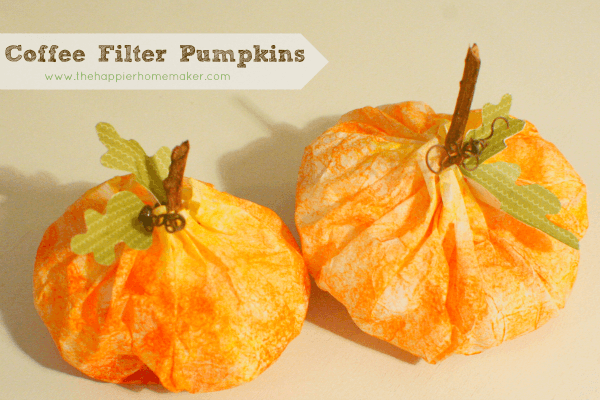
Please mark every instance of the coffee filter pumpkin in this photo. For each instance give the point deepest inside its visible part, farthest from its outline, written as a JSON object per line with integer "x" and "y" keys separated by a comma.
{"x": 427, "y": 261}
{"x": 204, "y": 308}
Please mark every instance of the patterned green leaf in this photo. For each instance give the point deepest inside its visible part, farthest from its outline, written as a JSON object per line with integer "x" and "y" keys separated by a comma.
{"x": 119, "y": 224}
{"x": 529, "y": 203}
{"x": 128, "y": 155}
{"x": 501, "y": 132}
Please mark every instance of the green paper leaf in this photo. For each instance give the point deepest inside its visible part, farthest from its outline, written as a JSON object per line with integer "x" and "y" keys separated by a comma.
{"x": 529, "y": 203}
{"x": 119, "y": 224}
{"x": 128, "y": 155}
{"x": 501, "y": 132}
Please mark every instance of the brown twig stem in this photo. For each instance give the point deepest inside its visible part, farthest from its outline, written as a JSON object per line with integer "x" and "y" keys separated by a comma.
{"x": 174, "y": 180}
{"x": 465, "y": 98}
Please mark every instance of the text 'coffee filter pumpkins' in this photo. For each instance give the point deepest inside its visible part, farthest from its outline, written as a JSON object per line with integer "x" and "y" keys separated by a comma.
{"x": 436, "y": 244}
{"x": 202, "y": 291}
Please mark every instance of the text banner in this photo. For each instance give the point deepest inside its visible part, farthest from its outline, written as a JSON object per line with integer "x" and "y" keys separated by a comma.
{"x": 157, "y": 61}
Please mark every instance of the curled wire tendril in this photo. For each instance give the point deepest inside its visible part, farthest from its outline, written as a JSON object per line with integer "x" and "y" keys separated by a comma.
{"x": 460, "y": 155}
{"x": 172, "y": 221}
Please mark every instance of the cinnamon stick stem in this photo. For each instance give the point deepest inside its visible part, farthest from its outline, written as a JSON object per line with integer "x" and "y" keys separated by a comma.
{"x": 174, "y": 180}
{"x": 465, "y": 98}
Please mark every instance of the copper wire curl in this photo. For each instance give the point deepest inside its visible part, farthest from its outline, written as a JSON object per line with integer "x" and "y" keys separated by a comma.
{"x": 172, "y": 221}
{"x": 456, "y": 155}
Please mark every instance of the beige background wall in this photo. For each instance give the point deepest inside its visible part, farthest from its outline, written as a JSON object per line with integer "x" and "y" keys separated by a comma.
{"x": 249, "y": 143}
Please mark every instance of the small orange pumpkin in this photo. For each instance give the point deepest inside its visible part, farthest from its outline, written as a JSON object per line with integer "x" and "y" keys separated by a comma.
{"x": 205, "y": 308}
{"x": 419, "y": 259}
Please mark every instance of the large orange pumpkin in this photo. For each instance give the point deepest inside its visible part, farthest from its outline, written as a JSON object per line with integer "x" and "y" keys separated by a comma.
{"x": 418, "y": 259}
{"x": 204, "y": 309}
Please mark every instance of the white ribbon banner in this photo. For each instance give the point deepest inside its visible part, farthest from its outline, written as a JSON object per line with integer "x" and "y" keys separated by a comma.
{"x": 97, "y": 61}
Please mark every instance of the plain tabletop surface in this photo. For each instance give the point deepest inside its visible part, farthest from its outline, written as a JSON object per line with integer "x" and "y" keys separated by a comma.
{"x": 250, "y": 143}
